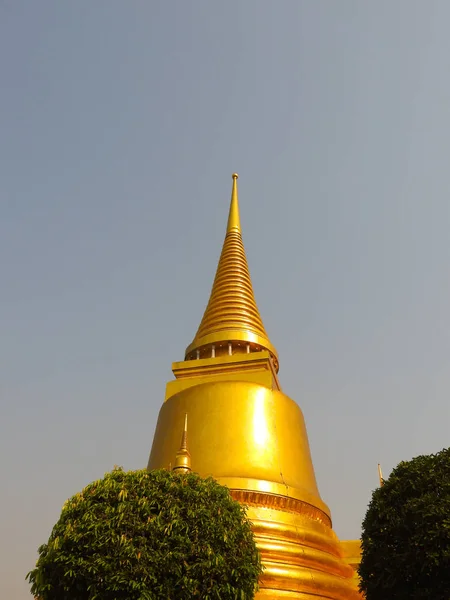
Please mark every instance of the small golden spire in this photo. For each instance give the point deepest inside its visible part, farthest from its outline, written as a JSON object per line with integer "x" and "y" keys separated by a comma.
{"x": 380, "y": 475}
{"x": 183, "y": 457}
{"x": 234, "y": 222}
{"x": 232, "y": 315}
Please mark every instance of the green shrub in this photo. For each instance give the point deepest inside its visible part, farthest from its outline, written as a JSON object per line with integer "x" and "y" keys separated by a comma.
{"x": 406, "y": 533}
{"x": 149, "y": 535}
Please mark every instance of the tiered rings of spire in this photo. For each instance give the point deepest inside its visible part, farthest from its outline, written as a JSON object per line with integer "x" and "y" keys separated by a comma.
{"x": 231, "y": 323}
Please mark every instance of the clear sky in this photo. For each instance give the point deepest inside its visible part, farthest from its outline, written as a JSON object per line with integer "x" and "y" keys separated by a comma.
{"x": 120, "y": 126}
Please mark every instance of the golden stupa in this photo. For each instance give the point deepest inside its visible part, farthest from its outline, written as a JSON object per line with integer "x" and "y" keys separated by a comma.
{"x": 247, "y": 434}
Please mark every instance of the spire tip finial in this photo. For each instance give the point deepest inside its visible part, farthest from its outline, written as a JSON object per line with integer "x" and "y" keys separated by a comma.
{"x": 234, "y": 222}
{"x": 185, "y": 422}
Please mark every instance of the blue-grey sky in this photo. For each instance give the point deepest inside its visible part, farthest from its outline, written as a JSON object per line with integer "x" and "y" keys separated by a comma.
{"x": 120, "y": 126}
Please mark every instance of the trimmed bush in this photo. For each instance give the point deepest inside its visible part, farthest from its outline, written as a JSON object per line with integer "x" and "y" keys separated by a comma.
{"x": 149, "y": 535}
{"x": 406, "y": 533}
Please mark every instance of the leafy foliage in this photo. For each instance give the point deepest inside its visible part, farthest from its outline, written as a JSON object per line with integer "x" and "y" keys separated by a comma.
{"x": 406, "y": 533}
{"x": 147, "y": 536}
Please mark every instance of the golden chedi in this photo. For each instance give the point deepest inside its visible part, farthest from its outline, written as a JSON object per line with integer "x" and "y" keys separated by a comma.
{"x": 247, "y": 434}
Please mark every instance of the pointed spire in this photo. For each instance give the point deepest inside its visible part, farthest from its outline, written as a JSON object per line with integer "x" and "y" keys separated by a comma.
{"x": 231, "y": 319}
{"x": 183, "y": 457}
{"x": 234, "y": 221}
{"x": 380, "y": 475}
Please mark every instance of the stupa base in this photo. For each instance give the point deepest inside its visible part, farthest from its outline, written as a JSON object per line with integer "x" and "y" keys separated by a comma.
{"x": 301, "y": 554}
